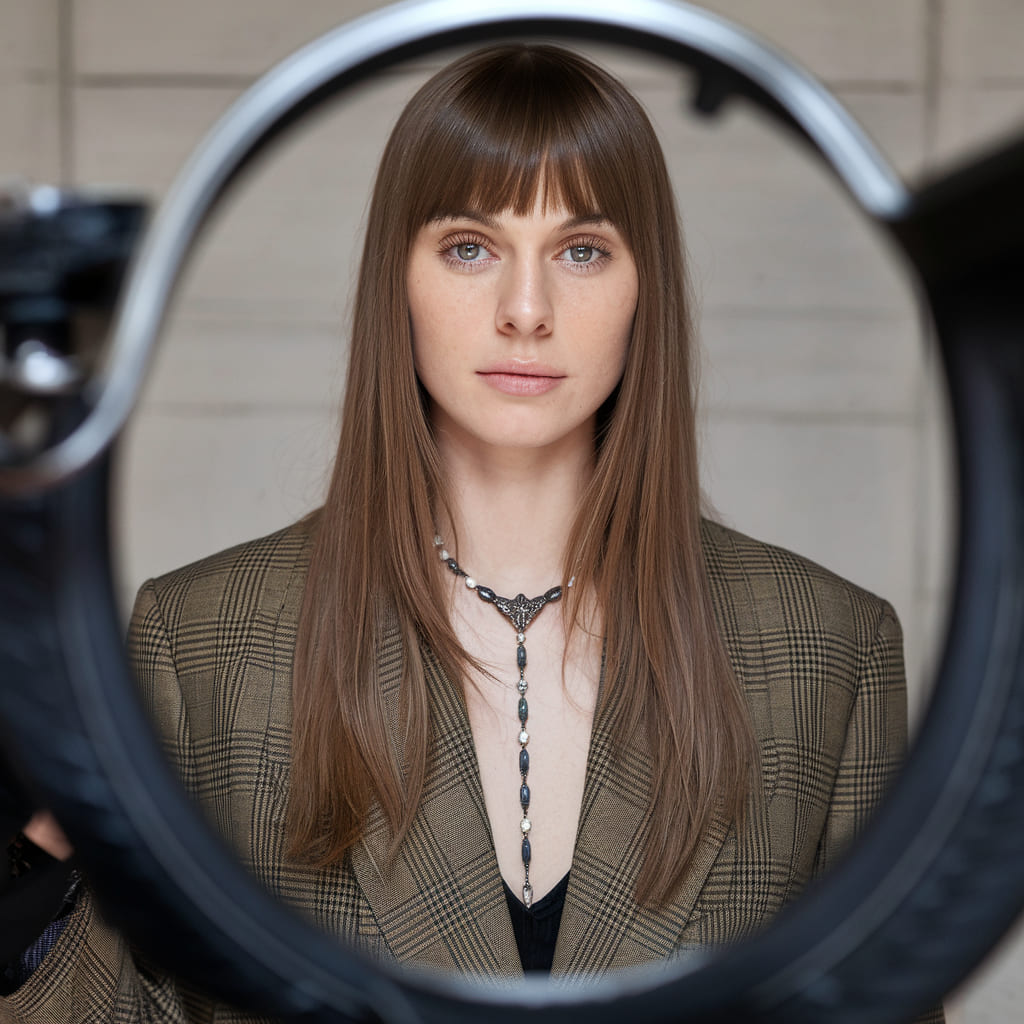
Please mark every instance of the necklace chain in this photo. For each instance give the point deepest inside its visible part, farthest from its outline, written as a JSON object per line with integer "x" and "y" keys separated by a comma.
{"x": 520, "y": 611}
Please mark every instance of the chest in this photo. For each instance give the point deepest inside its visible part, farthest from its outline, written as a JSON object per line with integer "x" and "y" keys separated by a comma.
{"x": 555, "y": 713}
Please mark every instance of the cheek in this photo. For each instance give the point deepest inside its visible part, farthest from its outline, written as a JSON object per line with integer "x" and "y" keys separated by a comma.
{"x": 622, "y": 317}
{"x": 619, "y": 337}
{"x": 423, "y": 323}
{"x": 436, "y": 357}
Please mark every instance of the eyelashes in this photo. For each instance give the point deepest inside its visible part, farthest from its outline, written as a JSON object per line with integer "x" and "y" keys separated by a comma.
{"x": 596, "y": 246}
{"x": 450, "y": 244}
{"x": 475, "y": 250}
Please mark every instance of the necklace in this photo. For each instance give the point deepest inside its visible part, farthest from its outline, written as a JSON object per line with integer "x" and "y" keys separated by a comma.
{"x": 520, "y": 611}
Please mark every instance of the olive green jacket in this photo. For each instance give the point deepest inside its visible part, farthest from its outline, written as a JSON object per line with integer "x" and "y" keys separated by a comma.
{"x": 820, "y": 662}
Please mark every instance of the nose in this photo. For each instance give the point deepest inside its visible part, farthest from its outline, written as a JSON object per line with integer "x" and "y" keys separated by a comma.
{"x": 525, "y": 306}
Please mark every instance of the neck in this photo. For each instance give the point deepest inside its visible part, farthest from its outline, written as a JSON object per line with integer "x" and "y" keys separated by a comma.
{"x": 513, "y": 512}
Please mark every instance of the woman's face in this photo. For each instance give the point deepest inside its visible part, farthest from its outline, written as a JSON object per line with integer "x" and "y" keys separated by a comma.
{"x": 520, "y": 326}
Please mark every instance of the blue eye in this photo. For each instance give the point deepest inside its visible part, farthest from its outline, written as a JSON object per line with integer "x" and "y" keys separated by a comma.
{"x": 582, "y": 254}
{"x": 464, "y": 250}
{"x": 468, "y": 251}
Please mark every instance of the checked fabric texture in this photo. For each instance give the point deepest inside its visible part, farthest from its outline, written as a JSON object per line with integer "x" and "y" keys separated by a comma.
{"x": 820, "y": 662}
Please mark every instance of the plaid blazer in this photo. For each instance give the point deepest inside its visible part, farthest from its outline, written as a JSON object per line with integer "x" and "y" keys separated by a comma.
{"x": 820, "y": 662}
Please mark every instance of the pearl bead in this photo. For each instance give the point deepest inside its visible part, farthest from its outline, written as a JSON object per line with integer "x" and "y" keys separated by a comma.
{"x": 524, "y": 737}
{"x": 525, "y": 825}
{"x": 471, "y": 583}
{"x": 444, "y": 555}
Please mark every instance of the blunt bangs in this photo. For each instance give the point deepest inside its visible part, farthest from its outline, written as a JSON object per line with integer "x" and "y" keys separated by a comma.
{"x": 535, "y": 126}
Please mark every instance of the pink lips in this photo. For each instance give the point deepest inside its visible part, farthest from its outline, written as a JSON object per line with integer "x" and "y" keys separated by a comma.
{"x": 527, "y": 381}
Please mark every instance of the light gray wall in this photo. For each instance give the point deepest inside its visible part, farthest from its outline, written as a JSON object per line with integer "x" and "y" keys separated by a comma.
{"x": 823, "y": 425}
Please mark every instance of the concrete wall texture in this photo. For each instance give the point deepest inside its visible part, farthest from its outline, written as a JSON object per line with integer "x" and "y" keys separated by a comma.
{"x": 823, "y": 424}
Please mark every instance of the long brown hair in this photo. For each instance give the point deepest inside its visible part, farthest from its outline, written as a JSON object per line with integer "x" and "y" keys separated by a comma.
{"x": 492, "y": 132}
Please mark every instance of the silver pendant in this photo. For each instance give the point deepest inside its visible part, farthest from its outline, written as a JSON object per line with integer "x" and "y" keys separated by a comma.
{"x": 522, "y": 610}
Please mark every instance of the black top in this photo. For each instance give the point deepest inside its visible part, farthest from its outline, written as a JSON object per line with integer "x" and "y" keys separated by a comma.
{"x": 536, "y": 928}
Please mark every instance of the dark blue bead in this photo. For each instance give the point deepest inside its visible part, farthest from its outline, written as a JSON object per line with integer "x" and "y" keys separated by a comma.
{"x": 524, "y": 761}
{"x": 524, "y": 710}
{"x": 527, "y": 852}
{"x": 452, "y": 564}
{"x": 486, "y": 594}
{"x": 521, "y": 656}
{"x": 553, "y": 594}
{"x": 524, "y": 796}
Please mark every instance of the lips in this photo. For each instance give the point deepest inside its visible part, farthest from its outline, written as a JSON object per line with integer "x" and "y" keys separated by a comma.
{"x": 521, "y": 380}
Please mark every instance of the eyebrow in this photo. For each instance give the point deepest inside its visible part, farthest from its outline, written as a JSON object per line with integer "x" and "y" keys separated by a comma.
{"x": 488, "y": 221}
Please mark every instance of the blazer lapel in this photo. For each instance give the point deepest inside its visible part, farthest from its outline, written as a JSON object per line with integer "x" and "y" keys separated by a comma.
{"x": 602, "y": 926}
{"x": 440, "y": 902}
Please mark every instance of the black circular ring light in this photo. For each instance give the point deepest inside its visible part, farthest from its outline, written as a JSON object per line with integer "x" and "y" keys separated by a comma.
{"x": 938, "y": 875}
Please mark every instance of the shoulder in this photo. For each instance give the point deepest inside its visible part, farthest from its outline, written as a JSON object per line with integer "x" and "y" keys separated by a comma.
{"x": 807, "y": 647}
{"x": 258, "y": 577}
{"x": 281, "y": 551}
{"x": 764, "y": 588}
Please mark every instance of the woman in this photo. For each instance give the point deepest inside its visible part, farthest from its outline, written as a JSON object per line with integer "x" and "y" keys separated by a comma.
{"x": 659, "y": 750}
